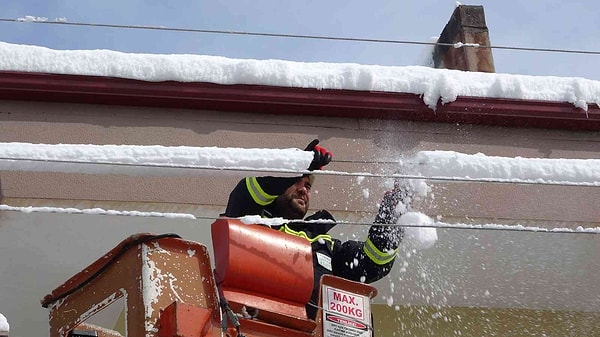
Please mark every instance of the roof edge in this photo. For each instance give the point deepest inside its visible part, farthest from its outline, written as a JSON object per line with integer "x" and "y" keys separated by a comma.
{"x": 84, "y": 89}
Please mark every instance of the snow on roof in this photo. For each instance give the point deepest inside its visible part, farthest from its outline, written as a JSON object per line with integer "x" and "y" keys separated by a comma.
{"x": 481, "y": 167}
{"x": 186, "y": 160}
{"x": 147, "y": 160}
{"x": 431, "y": 84}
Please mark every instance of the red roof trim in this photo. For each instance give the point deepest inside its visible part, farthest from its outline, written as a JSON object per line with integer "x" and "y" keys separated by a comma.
{"x": 293, "y": 101}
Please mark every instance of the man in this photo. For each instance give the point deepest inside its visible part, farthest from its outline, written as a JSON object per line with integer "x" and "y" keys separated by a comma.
{"x": 289, "y": 198}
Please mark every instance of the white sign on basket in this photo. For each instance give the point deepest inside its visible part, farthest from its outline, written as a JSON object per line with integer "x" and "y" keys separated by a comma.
{"x": 345, "y": 314}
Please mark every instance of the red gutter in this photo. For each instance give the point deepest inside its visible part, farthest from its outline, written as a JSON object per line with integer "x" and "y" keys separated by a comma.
{"x": 293, "y": 101}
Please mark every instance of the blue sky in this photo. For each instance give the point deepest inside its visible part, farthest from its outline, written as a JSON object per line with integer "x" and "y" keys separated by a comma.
{"x": 533, "y": 23}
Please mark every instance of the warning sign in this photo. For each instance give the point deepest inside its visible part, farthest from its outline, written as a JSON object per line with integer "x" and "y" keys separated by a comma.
{"x": 345, "y": 314}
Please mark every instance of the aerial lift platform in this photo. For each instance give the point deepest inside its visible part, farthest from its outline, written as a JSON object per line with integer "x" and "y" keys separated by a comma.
{"x": 259, "y": 286}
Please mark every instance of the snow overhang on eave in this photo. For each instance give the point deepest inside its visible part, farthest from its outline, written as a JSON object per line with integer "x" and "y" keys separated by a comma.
{"x": 293, "y": 101}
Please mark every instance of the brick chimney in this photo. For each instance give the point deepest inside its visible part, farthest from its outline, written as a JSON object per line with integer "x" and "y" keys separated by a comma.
{"x": 467, "y": 25}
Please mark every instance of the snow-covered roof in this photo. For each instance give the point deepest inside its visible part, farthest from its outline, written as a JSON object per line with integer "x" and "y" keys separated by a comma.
{"x": 432, "y": 85}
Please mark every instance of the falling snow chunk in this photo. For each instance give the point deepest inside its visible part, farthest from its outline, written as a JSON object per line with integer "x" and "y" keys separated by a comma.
{"x": 418, "y": 237}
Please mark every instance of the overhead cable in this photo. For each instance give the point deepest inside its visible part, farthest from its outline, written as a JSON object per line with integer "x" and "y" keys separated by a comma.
{"x": 301, "y": 36}
{"x": 495, "y": 227}
{"x": 10, "y": 161}
{"x": 436, "y": 225}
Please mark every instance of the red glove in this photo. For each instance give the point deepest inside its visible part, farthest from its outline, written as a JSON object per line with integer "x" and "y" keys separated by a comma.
{"x": 321, "y": 158}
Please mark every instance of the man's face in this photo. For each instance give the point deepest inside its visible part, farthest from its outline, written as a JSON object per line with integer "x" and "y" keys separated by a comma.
{"x": 293, "y": 203}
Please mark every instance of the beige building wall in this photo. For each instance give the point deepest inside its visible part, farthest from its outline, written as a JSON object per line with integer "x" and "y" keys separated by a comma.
{"x": 481, "y": 269}
{"x": 357, "y": 144}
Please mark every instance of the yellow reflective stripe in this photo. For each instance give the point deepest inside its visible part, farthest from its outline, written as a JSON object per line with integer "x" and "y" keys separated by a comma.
{"x": 258, "y": 195}
{"x": 377, "y": 256}
{"x": 303, "y": 235}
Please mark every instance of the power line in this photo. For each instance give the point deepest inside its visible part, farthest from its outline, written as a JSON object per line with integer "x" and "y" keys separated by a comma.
{"x": 173, "y": 166}
{"x": 435, "y": 225}
{"x": 501, "y": 227}
{"x": 301, "y": 36}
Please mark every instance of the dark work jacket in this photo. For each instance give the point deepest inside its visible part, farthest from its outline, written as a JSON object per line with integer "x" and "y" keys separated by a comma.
{"x": 349, "y": 259}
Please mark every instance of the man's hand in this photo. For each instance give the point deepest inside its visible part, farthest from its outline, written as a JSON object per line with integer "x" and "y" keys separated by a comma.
{"x": 389, "y": 211}
{"x": 321, "y": 158}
